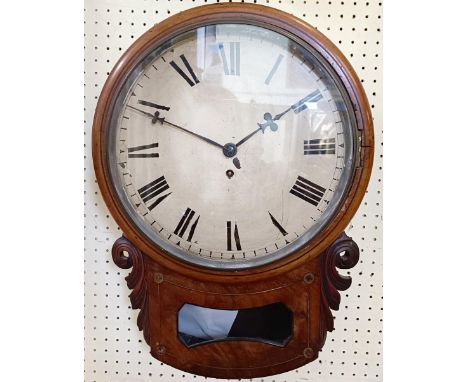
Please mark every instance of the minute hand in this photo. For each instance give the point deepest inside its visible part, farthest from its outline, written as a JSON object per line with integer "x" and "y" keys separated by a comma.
{"x": 156, "y": 118}
{"x": 208, "y": 140}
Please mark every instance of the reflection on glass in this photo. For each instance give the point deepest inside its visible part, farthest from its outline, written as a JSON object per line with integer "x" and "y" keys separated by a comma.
{"x": 271, "y": 324}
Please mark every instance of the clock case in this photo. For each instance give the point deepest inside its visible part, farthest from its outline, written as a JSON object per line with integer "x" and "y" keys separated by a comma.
{"x": 306, "y": 282}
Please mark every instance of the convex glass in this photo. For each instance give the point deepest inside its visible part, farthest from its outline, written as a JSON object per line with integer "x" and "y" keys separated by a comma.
{"x": 231, "y": 145}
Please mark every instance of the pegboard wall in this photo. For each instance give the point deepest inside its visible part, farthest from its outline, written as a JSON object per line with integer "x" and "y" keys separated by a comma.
{"x": 114, "y": 348}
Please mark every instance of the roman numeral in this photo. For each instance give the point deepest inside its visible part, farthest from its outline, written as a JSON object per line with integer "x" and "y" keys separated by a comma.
{"x": 131, "y": 150}
{"x": 315, "y": 96}
{"x": 319, "y": 146}
{"x": 234, "y": 56}
{"x": 184, "y": 223}
{"x": 277, "y": 224}
{"x": 229, "y": 236}
{"x": 308, "y": 191}
{"x": 191, "y": 81}
{"x": 155, "y": 105}
{"x": 153, "y": 190}
{"x": 274, "y": 69}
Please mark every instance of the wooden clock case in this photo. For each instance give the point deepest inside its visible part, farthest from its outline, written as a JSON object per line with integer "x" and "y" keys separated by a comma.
{"x": 307, "y": 281}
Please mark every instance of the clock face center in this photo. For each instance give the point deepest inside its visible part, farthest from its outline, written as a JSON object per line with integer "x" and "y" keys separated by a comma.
{"x": 230, "y": 150}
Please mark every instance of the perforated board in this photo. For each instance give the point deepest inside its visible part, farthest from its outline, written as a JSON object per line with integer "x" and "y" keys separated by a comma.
{"x": 114, "y": 348}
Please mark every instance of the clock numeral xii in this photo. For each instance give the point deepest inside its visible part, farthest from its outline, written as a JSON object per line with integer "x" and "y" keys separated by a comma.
{"x": 234, "y": 57}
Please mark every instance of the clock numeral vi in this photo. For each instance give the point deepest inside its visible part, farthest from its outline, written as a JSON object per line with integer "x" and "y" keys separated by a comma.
{"x": 315, "y": 96}
{"x": 191, "y": 81}
{"x": 132, "y": 150}
{"x": 234, "y": 57}
{"x": 184, "y": 224}
{"x": 307, "y": 191}
{"x": 230, "y": 233}
{"x": 319, "y": 146}
{"x": 153, "y": 190}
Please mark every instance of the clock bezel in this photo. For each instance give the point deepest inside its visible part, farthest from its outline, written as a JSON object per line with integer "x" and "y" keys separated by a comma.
{"x": 248, "y": 14}
{"x": 121, "y": 101}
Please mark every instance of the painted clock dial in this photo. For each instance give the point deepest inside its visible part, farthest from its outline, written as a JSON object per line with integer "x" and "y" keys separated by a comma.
{"x": 231, "y": 145}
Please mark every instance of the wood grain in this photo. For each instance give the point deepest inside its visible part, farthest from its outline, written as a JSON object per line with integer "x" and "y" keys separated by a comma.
{"x": 342, "y": 254}
{"x": 126, "y": 255}
{"x": 309, "y": 291}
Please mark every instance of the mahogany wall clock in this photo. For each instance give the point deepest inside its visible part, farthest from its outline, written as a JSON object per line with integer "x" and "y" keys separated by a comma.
{"x": 232, "y": 144}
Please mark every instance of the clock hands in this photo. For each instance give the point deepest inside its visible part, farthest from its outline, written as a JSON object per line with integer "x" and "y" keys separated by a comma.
{"x": 230, "y": 149}
{"x": 270, "y": 121}
{"x": 246, "y": 138}
{"x": 208, "y": 140}
{"x": 156, "y": 118}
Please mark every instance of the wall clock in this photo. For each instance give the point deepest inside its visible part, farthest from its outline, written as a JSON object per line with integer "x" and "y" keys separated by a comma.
{"x": 232, "y": 144}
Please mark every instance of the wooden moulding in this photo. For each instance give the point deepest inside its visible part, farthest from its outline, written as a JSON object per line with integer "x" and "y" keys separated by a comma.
{"x": 125, "y": 256}
{"x": 310, "y": 291}
{"x": 342, "y": 254}
{"x": 259, "y": 15}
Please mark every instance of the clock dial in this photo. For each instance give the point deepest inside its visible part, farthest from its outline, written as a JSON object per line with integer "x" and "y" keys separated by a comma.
{"x": 231, "y": 145}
